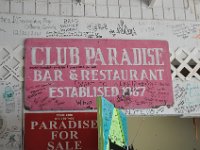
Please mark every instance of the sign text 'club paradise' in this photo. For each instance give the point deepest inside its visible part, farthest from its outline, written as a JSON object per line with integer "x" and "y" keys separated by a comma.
{"x": 71, "y": 73}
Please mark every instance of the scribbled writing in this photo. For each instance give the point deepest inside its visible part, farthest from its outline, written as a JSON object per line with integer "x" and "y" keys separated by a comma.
{"x": 123, "y": 29}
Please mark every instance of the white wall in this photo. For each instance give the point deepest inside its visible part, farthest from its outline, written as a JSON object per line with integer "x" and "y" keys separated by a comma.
{"x": 162, "y": 133}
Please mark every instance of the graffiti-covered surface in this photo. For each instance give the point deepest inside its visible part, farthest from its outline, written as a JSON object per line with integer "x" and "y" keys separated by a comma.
{"x": 183, "y": 39}
{"x": 10, "y": 116}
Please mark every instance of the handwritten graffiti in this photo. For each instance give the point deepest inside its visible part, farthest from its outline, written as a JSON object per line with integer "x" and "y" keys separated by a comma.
{"x": 123, "y": 29}
{"x": 96, "y": 27}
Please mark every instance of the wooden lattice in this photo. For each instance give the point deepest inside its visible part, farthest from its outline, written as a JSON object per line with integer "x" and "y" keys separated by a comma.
{"x": 185, "y": 64}
{"x": 11, "y": 63}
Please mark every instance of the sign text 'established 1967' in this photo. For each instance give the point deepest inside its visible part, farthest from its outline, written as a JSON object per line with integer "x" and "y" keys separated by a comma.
{"x": 71, "y": 73}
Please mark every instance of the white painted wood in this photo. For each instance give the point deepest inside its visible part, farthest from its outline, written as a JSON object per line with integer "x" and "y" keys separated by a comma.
{"x": 102, "y": 11}
{"x": 189, "y": 10}
{"x": 4, "y": 6}
{"x": 90, "y": 2}
{"x": 197, "y": 9}
{"x": 158, "y": 13}
{"x": 172, "y": 9}
{"x": 16, "y": 7}
{"x": 66, "y": 7}
{"x": 68, "y": 2}
{"x": 125, "y": 12}
{"x": 113, "y": 11}
{"x": 135, "y": 9}
{"x": 158, "y": 9}
{"x": 179, "y": 4}
{"x": 54, "y": 7}
{"x": 179, "y": 14}
{"x": 135, "y": 3}
{"x": 29, "y": 7}
{"x": 152, "y": 3}
{"x": 113, "y": 2}
{"x": 124, "y": 2}
{"x": 179, "y": 10}
{"x": 90, "y": 10}
{"x": 101, "y": 2}
{"x": 41, "y": 7}
{"x": 147, "y": 12}
{"x": 168, "y": 9}
{"x": 63, "y": 9}
{"x": 136, "y": 12}
{"x": 78, "y": 9}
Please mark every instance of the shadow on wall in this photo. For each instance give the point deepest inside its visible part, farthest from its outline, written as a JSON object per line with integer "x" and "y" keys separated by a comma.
{"x": 163, "y": 133}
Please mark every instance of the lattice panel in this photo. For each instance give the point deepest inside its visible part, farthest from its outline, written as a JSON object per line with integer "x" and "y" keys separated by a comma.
{"x": 185, "y": 64}
{"x": 11, "y": 63}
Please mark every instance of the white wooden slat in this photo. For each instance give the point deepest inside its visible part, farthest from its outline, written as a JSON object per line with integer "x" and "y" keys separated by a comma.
{"x": 189, "y": 10}
{"x": 124, "y": 2}
{"x": 135, "y": 3}
{"x": 158, "y": 9}
{"x": 66, "y": 7}
{"x": 16, "y": 7}
{"x": 4, "y": 6}
{"x": 90, "y": 2}
{"x": 179, "y": 14}
{"x": 90, "y": 10}
{"x": 136, "y": 13}
{"x": 66, "y": 1}
{"x": 168, "y": 9}
{"x": 179, "y": 10}
{"x": 78, "y": 9}
{"x": 197, "y": 9}
{"x": 135, "y": 9}
{"x": 101, "y": 2}
{"x": 63, "y": 9}
{"x": 178, "y": 4}
{"x": 54, "y": 7}
{"x": 102, "y": 11}
{"x": 113, "y": 11}
{"x": 41, "y": 7}
{"x": 125, "y": 12}
{"x": 153, "y": 2}
{"x": 29, "y": 7}
{"x": 158, "y": 13}
{"x": 146, "y": 11}
{"x": 113, "y": 2}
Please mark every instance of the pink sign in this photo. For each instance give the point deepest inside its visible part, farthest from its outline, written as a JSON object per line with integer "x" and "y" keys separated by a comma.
{"x": 71, "y": 73}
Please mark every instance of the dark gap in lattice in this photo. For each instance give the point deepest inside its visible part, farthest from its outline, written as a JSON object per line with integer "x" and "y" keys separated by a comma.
{"x": 192, "y": 63}
{"x": 172, "y": 71}
{"x": 198, "y": 71}
{"x": 184, "y": 72}
{"x": 175, "y": 63}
